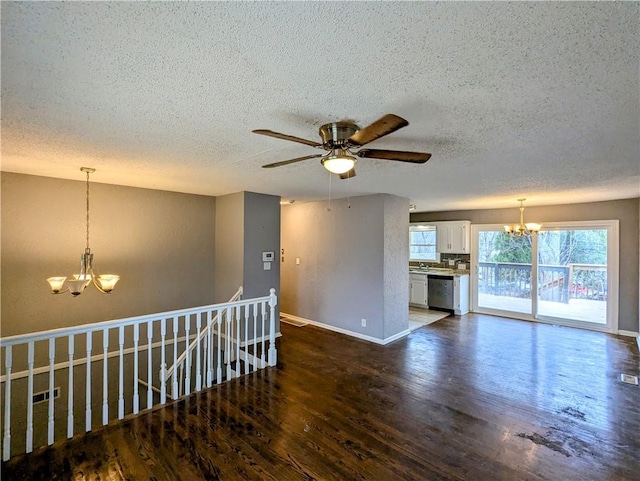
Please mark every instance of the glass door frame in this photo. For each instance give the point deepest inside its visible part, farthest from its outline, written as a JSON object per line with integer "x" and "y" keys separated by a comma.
{"x": 613, "y": 246}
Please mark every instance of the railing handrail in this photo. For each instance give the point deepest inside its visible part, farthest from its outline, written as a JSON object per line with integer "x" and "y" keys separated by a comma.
{"x": 588, "y": 267}
{"x": 99, "y": 326}
{"x": 200, "y": 336}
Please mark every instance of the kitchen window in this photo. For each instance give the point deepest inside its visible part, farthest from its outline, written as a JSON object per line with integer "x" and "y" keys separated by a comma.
{"x": 422, "y": 243}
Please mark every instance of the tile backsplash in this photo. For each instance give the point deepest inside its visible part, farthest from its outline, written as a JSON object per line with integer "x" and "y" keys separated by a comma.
{"x": 444, "y": 261}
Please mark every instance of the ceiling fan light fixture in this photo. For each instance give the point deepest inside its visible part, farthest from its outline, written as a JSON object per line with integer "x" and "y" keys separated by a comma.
{"x": 339, "y": 162}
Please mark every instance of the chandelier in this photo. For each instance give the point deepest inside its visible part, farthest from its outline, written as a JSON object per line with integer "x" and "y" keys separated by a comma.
{"x": 104, "y": 283}
{"x": 522, "y": 229}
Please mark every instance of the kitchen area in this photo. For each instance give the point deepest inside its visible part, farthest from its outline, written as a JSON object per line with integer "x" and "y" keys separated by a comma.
{"x": 439, "y": 266}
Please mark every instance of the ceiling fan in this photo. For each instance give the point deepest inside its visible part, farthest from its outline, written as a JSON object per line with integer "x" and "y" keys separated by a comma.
{"x": 339, "y": 138}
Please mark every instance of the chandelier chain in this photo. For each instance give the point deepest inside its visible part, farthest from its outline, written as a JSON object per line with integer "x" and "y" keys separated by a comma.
{"x": 87, "y": 210}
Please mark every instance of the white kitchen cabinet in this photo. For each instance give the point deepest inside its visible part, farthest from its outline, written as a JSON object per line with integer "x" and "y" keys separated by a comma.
{"x": 461, "y": 295}
{"x": 418, "y": 293}
{"x": 453, "y": 237}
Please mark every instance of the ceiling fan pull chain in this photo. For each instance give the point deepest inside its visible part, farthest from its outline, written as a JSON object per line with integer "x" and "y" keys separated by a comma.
{"x": 329, "y": 207}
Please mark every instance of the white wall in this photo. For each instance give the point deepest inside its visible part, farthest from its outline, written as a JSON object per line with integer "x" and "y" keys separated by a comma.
{"x": 353, "y": 263}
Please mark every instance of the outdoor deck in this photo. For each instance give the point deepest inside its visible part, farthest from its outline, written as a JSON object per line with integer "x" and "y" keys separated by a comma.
{"x": 576, "y": 309}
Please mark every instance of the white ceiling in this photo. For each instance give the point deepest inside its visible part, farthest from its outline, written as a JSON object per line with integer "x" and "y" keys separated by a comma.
{"x": 535, "y": 100}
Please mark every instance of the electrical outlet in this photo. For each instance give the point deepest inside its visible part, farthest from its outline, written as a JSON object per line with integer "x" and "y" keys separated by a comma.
{"x": 364, "y": 323}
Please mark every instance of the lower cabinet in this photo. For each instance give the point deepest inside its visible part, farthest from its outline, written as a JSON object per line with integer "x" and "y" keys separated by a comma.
{"x": 418, "y": 293}
{"x": 460, "y": 295}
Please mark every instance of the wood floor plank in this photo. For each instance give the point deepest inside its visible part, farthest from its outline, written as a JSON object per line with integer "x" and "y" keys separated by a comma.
{"x": 469, "y": 397}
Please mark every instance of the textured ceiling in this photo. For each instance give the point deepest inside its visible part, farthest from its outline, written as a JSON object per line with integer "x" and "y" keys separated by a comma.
{"x": 537, "y": 100}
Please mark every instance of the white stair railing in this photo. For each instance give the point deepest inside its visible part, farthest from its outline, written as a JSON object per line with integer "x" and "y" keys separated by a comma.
{"x": 177, "y": 373}
{"x": 111, "y": 368}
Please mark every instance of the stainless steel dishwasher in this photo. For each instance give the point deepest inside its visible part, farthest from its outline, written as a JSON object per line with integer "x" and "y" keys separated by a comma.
{"x": 440, "y": 292}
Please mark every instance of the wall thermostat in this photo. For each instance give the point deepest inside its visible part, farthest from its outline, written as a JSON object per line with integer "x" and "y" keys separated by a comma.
{"x": 268, "y": 256}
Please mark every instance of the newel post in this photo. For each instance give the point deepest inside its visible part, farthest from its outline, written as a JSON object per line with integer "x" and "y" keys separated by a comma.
{"x": 273, "y": 302}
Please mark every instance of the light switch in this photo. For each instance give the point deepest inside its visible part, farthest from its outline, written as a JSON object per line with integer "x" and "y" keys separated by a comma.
{"x": 297, "y": 261}
{"x": 267, "y": 266}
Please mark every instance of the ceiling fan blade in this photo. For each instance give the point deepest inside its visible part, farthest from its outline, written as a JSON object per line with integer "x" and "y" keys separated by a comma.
{"x": 291, "y": 161}
{"x": 381, "y": 127}
{"x": 348, "y": 175}
{"x": 414, "y": 157}
{"x": 291, "y": 138}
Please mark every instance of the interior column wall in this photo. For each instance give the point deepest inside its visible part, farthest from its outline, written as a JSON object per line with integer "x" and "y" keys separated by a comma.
{"x": 348, "y": 257}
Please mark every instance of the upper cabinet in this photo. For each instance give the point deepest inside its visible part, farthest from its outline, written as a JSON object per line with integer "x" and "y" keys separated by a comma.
{"x": 453, "y": 237}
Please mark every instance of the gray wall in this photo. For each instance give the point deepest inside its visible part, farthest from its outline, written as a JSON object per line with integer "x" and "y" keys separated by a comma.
{"x": 348, "y": 258}
{"x": 626, "y": 211}
{"x": 396, "y": 255}
{"x": 247, "y": 224}
{"x": 229, "y": 258}
{"x": 160, "y": 243}
{"x": 262, "y": 234}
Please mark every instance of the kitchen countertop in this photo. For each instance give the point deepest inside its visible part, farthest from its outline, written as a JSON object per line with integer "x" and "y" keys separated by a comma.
{"x": 439, "y": 272}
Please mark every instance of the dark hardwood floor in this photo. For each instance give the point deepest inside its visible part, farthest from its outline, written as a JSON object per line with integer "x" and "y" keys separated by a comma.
{"x": 473, "y": 397}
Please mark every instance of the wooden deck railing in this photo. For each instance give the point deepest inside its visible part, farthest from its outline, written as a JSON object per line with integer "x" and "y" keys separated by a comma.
{"x": 95, "y": 385}
{"x": 555, "y": 283}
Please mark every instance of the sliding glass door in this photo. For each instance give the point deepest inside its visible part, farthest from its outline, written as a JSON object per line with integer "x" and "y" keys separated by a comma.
{"x": 503, "y": 271}
{"x": 572, "y": 274}
{"x": 567, "y": 274}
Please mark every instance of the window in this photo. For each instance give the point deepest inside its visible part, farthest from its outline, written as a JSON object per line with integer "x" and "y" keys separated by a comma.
{"x": 422, "y": 243}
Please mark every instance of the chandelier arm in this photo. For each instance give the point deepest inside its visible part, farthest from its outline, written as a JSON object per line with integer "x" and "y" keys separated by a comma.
{"x": 62, "y": 291}
{"x": 96, "y": 285}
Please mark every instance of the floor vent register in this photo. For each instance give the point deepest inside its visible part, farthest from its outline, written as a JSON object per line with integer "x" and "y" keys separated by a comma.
{"x": 629, "y": 379}
{"x": 293, "y": 322}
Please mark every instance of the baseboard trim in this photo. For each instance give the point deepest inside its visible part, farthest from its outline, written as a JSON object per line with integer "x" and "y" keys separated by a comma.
{"x": 347, "y": 332}
{"x": 628, "y": 333}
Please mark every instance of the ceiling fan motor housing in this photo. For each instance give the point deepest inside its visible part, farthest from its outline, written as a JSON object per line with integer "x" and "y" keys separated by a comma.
{"x": 336, "y": 134}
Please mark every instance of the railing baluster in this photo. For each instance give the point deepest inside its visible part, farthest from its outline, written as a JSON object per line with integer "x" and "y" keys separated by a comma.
{"x": 88, "y": 383}
{"x": 181, "y": 380}
{"x": 208, "y": 350}
{"x": 163, "y": 361}
{"x": 149, "y": 364}
{"x": 70, "y": 389}
{"x": 136, "y": 345}
{"x": 52, "y": 360}
{"x": 263, "y": 311}
{"x": 30, "y": 361}
{"x": 6, "y": 440}
{"x": 105, "y": 374}
{"x": 219, "y": 348}
{"x": 187, "y": 361}
{"x": 238, "y": 318}
{"x": 255, "y": 336}
{"x": 198, "y": 352}
{"x": 246, "y": 340}
{"x": 174, "y": 390}
{"x": 228, "y": 342}
{"x": 121, "y": 372}
{"x": 273, "y": 354}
